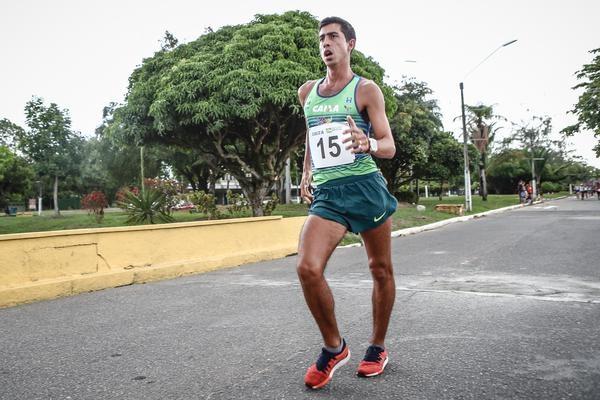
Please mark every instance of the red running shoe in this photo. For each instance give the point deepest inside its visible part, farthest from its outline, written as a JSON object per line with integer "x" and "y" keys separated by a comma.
{"x": 374, "y": 362}
{"x": 320, "y": 373}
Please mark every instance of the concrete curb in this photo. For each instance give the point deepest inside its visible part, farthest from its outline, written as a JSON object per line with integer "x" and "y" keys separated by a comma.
{"x": 439, "y": 224}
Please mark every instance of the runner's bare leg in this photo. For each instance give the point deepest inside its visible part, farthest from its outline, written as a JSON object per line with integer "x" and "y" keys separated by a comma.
{"x": 318, "y": 240}
{"x": 378, "y": 245}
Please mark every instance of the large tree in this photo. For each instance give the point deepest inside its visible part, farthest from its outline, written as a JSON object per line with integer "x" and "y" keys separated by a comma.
{"x": 445, "y": 159}
{"x": 414, "y": 124}
{"x": 506, "y": 168}
{"x": 587, "y": 108}
{"x": 534, "y": 136}
{"x": 113, "y": 160}
{"x": 16, "y": 176}
{"x": 50, "y": 143}
{"x": 232, "y": 95}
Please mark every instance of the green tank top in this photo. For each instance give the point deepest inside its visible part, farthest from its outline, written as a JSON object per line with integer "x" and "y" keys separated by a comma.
{"x": 324, "y": 110}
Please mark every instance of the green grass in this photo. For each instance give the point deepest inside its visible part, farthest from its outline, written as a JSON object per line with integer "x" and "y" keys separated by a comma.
{"x": 72, "y": 220}
{"x": 494, "y": 201}
{"x": 406, "y": 216}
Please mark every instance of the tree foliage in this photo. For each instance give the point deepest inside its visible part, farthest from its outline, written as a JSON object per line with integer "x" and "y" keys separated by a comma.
{"x": 445, "y": 158}
{"x": 587, "y": 108}
{"x": 414, "y": 124}
{"x": 16, "y": 176}
{"x": 506, "y": 168}
{"x": 9, "y": 133}
{"x": 232, "y": 95}
{"x": 50, "y": 144}
{"x": 535, "y": 137}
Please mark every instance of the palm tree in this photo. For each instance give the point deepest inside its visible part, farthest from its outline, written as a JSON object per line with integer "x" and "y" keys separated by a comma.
{"x": 481, "y": 125}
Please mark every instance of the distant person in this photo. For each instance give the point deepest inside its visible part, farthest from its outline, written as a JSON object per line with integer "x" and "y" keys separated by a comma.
{"x": 529, "y": 190}
{"x": 521, "y": 191}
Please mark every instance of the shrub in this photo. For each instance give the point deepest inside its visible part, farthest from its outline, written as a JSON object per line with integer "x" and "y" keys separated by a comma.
{"x": 148, "y": 207}
{"x": 271, "y": 204}
{"x": 237, "y": 205}
{"x": 406, "y": 196}
{"x": 551, "y": 187}
{"x": 94, "y": 203}
{"x": 120, "y": 196}
{"x": 205, "y": 203}
{"x": 170, "y": 189}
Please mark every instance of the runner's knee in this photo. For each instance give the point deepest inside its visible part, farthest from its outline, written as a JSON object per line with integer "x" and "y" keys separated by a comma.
{"x": 381, "y": 269}
{"x": 308, "y": 271}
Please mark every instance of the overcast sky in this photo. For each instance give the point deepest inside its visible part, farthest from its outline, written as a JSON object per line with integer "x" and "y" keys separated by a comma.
{"x": 79, "y": 54}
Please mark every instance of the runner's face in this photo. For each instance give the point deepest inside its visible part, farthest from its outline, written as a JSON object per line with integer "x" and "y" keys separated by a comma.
{"x": 333, "y": 45}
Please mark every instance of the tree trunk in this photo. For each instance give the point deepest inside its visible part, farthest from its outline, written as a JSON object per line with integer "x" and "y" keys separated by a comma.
{"x": 56, "y": 210}
{"x": 484, "y": 192}
{"x": 255, "y": 199}
{"x": 212, "y": 184}
{"x": 441, "y": 189}
{"x": 482, "y": 177}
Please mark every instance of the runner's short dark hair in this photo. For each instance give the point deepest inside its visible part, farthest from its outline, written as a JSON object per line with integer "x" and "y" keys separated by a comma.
{"x": 347, "y": 29}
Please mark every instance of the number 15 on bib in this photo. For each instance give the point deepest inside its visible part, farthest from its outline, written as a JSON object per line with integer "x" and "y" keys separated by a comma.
{"x": 326, "y": 147}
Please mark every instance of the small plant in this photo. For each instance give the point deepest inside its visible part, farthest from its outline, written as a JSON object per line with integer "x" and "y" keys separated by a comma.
{"x": 270, "y": 205}
{"x": 94, "y": 203}
{"x": 148, "y": 207}
{"x": 237, "y": 205}
{"x": 205, "y": 203}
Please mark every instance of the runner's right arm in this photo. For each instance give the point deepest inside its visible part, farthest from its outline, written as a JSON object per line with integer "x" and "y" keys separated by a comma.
{"x": 305, "y": 189}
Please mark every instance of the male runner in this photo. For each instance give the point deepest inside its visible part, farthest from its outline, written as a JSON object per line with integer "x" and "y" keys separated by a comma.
{"x": 347, "y": 126}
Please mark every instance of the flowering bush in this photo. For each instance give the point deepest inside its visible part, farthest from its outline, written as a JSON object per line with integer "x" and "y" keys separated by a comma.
{"x": 120, "y": 196}
{"x": 95, "y": 203}
{"x": 169, "y": 188}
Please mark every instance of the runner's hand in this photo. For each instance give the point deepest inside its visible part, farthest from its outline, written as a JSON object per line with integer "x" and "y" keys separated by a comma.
{"x": 305, "y": 188}
{"x": 359, "y": 142}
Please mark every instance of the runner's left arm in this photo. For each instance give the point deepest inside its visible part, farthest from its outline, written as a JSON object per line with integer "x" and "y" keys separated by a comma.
{"x": 370, "y": 97}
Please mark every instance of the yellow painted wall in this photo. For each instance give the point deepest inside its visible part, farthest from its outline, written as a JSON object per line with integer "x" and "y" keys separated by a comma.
{"x": 43, "y": 265}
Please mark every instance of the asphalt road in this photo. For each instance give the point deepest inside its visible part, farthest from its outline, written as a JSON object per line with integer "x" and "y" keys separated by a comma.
{"x": 505, "y": 306}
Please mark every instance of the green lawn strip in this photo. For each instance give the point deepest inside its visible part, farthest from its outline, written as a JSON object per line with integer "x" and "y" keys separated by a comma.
{"x": 406, "y": 216}
{"x": 44, "y": 223}
{"x": 549, "y": 196}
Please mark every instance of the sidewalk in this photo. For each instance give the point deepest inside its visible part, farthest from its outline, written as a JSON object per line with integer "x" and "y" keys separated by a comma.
{"x": 439, "y": 224}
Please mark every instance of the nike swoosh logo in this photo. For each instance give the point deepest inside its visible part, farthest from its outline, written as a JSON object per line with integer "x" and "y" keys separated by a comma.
{"x": 376, "y": 219}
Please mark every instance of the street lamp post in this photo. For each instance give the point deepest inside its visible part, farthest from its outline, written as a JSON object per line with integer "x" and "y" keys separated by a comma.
{"x": 468, "y": 196}
{"x": 468, "y": 199}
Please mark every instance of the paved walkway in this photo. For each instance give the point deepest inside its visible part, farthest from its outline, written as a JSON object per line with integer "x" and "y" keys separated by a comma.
{"x": 505, "y": 306}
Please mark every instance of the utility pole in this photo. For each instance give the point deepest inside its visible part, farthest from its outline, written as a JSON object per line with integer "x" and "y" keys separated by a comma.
{"x": 533, "y": 183}
{"x": 468, "y": 197}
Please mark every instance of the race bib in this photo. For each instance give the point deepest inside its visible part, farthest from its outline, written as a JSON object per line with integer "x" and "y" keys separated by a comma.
{"x": 326, "y": 147}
